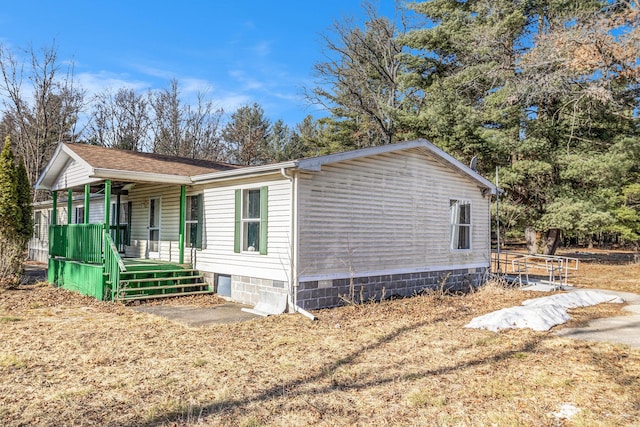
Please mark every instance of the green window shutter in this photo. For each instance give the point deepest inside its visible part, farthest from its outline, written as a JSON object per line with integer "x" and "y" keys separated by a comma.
{"x": 200, "y": 220}
{"x": 238, "y": 224}
{"x": 264, "y": 209}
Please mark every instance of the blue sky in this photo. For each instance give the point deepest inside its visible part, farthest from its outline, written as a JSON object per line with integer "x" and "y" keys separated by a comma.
{"x": 238, "y": 51}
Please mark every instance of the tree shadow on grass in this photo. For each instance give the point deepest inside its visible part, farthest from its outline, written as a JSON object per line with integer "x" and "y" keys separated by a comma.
{"x": 294, "y": 387}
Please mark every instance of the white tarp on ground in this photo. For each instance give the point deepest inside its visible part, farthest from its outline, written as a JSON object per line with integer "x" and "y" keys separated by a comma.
{"x": 541, "y": 314}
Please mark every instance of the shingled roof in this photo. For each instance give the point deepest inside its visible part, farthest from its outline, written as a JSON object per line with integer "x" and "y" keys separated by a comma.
{"x": 97, "y": 163}
{"x": 135, "y": 161}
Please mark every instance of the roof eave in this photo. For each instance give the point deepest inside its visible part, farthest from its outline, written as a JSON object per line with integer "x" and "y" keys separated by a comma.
{"x": 243, "y": 172}
{"x": 61, "y": 150}
{"x": 40, "y": 184}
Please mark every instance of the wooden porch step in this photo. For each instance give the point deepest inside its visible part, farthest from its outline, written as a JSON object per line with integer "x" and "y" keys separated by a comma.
{"x": 160, "y": 279}
{"x": 177, "y": 294}
{"x": 133, "y": 262}
{"x": 156, "y": 279}
{"x": 128, "y": 272}
{"x": 159, "y": 287}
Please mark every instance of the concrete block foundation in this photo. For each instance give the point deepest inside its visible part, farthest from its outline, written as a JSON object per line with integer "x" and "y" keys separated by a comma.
{"x": 331, "y": 293}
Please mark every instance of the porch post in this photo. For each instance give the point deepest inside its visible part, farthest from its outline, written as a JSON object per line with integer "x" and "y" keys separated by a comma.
{"x": 54, "y": 214}
{"x": 87, "y": 194}
{"x": 107, "y": 203}
{"x": 69, "y": 206}
{"x": 183, "y": 202}
{"x": 118, "y": 221}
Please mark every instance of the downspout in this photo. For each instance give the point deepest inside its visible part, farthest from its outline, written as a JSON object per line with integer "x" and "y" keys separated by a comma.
{"x": 293, "y": 233}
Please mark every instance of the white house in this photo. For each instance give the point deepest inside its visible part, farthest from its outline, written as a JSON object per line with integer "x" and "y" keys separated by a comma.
{"x": 388, "y": 220}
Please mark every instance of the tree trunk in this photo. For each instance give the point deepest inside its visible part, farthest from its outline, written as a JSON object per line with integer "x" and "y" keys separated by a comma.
{"x": 551, "y": 240}
{"x": 531, "y": 237}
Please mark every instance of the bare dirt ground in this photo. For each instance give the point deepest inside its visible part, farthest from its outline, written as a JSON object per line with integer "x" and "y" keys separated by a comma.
{"x": 66, "y": 359}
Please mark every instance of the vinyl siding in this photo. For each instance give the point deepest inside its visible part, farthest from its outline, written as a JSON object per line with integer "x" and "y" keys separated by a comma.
{"x": 389, "y": 212}
{"x": 218, "y": 254}
{"x": 169, "y": 197}
{"x": 38, "y": 248}
{"x": 74, "y": 174}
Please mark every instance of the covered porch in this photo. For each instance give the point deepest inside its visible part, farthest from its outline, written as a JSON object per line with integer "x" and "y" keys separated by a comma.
{"x": 89, "y": 257}
{"x": 87, "y": 253}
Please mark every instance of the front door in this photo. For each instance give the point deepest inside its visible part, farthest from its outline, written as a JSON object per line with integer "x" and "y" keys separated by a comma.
{"x": 153, "y": 246}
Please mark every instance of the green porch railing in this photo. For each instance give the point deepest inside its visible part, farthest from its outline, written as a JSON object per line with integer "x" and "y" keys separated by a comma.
{"x": 77, "y": 242}
{"x": 113, "y": 265}
{"x": 57, "y": 241}
{"x": 120, "y": 233}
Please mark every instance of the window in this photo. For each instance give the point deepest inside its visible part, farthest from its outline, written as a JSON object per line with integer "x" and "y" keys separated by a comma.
{"x": 154, "y": 227}
{"x": 193, "y": 222}
{"x": 79, "y": 215}
{"x": 37, "y": 220}
{"x": 460, "y": 224}
{"x": 251, "y": 220}
{"x": 121, "y": 232}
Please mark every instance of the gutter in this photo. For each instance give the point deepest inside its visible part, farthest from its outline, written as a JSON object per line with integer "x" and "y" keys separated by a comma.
{"x": 243, "y": 172}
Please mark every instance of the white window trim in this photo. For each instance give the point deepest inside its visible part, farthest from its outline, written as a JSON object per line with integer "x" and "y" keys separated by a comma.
{"x": 454, "y": 225}
{"x": 190, "y": 221}
{"x": 37, "y": 225}
{"x": 243, "y": 221}
{"x": 157, "y": 255}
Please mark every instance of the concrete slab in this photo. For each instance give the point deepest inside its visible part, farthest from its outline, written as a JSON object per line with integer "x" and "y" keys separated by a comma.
{"x": 200, "y": 316}
{"x": 617, "y": 330}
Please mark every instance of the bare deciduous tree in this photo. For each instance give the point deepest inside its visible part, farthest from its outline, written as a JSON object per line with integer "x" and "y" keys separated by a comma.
{"x": 179, "y": 129}
{"x": 360, "y": 80}
{"x": 120, "y": 121}
{"x": 41, "y": 115}
{"x": 202, "y": 129}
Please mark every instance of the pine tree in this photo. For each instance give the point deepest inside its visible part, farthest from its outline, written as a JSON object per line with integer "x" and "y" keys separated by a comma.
{"x": 25, "y": 198}
{"x": 247, "y": 136}
{"x": 10, "y": 214}
{"x": 11, "y": 242}
{"x": 547, "y": 91}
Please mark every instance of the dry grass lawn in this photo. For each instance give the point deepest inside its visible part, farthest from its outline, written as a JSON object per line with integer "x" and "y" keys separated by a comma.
{"x": 69, "y": 360}
{"x": 607, "y": 270}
